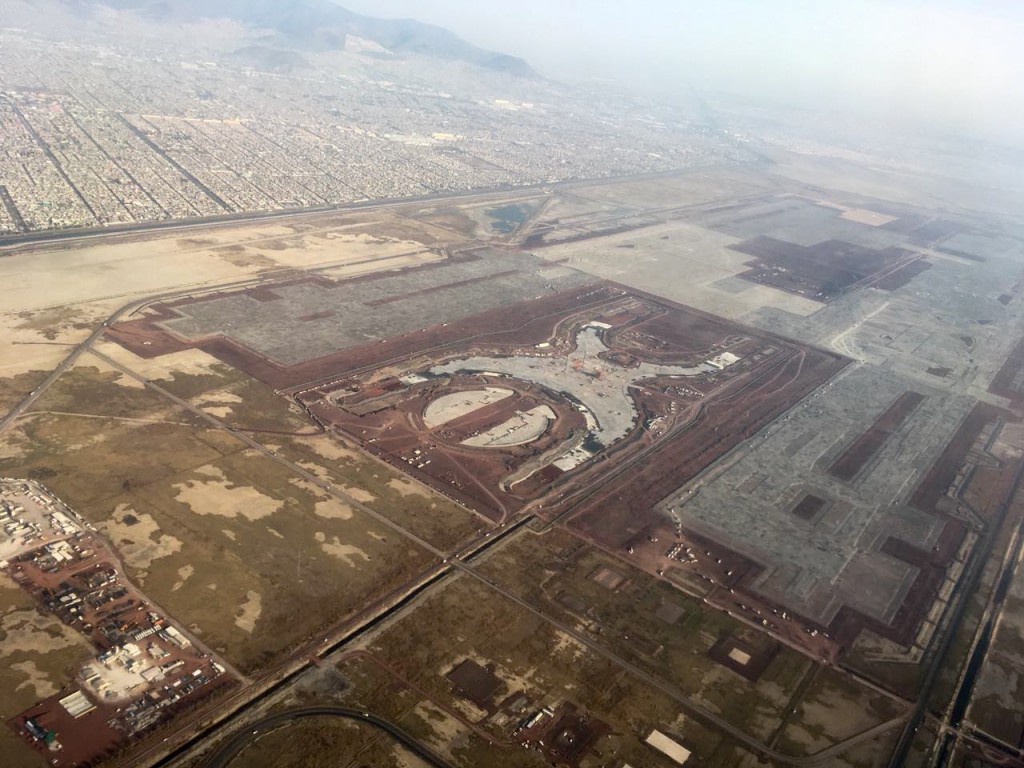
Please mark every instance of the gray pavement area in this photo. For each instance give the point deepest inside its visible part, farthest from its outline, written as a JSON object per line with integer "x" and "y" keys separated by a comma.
{"x": 948, "y": 317}
{"x": 816, "y": 566}
{"x": 311, "y": 319}
{"x": 944, "y": 334}
{"x": 600, "y": 385}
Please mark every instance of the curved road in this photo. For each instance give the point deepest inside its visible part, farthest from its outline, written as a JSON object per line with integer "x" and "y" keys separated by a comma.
{"x": 223, "y": 757}
{"x": 454, "y": 562}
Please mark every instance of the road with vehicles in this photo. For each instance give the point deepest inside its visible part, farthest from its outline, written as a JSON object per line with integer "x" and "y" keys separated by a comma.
{"x": 449, "y": 564}
{"x": 253, "y": 732}
{"x": 53, "y": 237}
{"x": 456, "y": 563}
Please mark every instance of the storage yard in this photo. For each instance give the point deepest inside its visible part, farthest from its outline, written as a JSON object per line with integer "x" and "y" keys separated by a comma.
{"x": 743, "y": 503}
{"x": 145, "y": 669}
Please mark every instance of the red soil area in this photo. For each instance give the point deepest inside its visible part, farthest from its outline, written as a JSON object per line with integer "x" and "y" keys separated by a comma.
{"x": 760, "y": 657}
{"x": 624, "y": 503}
{"x": 900, "y": 276}
{"x": 83, "y": 740}
{"x": 489, "y": 416}
{"x": 526, "y": 323}
{"x": 932, "y": 570}
{"x": 683, "y": 337}
{"x": 944, "y": 472}
{"x": 808, "y": 507}
{"x": 566, "y": 736}
{"x": 435, "y": 456}
{"x": 619, "y": 517}
{"x": 695, "y": 423}
{"x": 109, "y": 612}
{"x": 985, "y": 489}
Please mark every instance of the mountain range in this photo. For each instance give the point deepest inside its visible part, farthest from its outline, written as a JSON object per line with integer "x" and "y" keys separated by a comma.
{"x": 311, "y": 26}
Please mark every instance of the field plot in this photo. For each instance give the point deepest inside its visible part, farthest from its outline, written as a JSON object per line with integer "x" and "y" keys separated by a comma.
{"x": 235, "y": 399}
{"x": 413, "y": 505}
{"x": 225, "y": 539}
{"x": 550, "y": 686}
{"x": 835, "y": 707}
{"x": 325, "y": 742}
{"x": 734, "y": 670}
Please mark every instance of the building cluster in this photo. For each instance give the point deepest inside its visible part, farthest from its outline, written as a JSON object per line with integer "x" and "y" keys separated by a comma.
{"x": 31, "y": 517}
{"x": 144, "y": 665}
{"x": 96, "y": 135}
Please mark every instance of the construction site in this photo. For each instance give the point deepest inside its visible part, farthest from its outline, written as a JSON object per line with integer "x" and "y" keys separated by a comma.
{"x": 741, "y": 445}
{"x": 146, "y": 669}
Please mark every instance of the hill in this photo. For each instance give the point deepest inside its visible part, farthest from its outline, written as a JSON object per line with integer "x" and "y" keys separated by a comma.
{"x": 319, "y": 25}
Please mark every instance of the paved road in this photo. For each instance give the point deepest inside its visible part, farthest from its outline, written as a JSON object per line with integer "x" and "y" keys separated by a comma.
{"x": 27, "y": 239}
{"x": 251, "y": 733}
{"x": 692, "y": 708}
{"x": 452, "y": 564}
{"x": 68, "y": 361}
{"x": 968, "y": 584}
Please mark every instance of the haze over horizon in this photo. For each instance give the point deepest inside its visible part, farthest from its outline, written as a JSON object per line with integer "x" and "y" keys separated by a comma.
{"x": 563, "y": 384}
{"x": 953, "y": 65}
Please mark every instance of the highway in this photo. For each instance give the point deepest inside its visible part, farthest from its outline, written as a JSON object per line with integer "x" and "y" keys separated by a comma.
{"x": 460, "y": 564}
{"x": 448, "y": 564}
{"x": 223, "y": 757}
{"x": 65, "y": 237}
{"x": 55, "y": 374}
{"x": 968, "y": 584}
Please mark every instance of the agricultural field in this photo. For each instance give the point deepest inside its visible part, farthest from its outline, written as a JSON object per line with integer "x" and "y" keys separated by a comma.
{"x": 221, "y": 535}
{"x": 488, "y": 470}
{"x": 533, "y": 660}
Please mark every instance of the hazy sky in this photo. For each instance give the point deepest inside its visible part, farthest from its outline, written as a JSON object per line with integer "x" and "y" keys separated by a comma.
{"x": 954, "y": 62}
